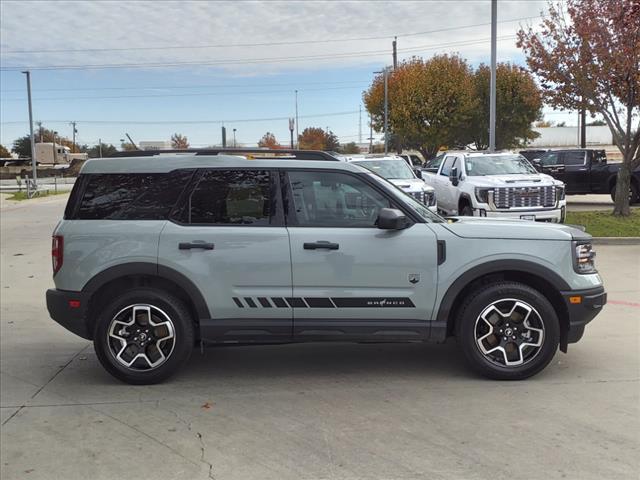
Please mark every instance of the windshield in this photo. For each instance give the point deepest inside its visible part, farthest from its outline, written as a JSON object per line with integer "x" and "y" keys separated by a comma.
{"x": 481, "y": 165}
{"x": 418, "y": 207}
{"x": 389, "y": 169}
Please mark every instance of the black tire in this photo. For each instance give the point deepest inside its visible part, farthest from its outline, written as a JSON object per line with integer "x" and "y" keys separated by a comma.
{"x": 634, "y": 194}
{"x": 469, "y": 324}
{"x": 466, "y": 211}
{"x": 162, "y": 307}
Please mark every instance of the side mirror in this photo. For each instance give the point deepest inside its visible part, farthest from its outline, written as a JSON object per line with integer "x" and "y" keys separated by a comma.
{"x": 417, "y": 171}
{"x": 391, "y": 219}
{"x": 453, "y": 176}
{"x": 537, "y": 163}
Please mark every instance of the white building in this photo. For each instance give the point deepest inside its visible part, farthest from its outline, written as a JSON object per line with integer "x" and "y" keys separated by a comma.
{"x": 155, "y": 145}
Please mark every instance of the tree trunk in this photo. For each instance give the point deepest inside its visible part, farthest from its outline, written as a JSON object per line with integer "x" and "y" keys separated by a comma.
{"x": 621, "y": 202}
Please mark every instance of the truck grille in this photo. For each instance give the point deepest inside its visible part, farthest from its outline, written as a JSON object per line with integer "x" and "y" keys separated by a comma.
{"x": 426, "y": 198}
{"x": 524, "y": 197}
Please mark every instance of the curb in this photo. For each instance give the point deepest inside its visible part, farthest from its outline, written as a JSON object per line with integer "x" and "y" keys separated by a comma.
{"x": 616, "y": 240}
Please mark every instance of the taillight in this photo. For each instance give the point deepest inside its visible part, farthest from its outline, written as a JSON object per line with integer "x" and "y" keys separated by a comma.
{"x": 57, "y": 251}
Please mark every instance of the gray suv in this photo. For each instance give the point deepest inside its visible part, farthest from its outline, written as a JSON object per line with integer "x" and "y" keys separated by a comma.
{"x": 157, "y": 255}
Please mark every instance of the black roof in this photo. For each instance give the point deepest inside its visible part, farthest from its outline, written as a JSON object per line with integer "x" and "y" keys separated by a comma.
{"x": 253, "y": 152}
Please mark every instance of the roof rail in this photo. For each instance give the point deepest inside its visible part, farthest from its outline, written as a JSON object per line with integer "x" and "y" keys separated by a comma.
{"x": 258, "y": 153}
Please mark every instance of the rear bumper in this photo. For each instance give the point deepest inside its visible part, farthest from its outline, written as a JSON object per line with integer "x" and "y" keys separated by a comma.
{"x": 585, "y": 306}
{"x": 69, "y": 310}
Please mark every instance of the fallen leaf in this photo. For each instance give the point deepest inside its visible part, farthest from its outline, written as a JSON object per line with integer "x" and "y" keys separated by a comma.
{"x": 207, "y": 406}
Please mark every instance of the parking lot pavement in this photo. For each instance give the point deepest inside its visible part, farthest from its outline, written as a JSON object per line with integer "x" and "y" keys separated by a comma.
{"x": 309, "y": 411}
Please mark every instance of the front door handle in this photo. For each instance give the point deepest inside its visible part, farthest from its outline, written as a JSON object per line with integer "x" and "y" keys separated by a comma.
{"x": 195, "y": 244}
{"x": 321, "y": 244}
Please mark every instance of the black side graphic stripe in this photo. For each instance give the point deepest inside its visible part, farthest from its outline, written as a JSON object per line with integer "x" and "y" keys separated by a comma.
{"x": 238, "y": 302}
{"x": 296, "y": 302}
{"x": 250, "y": 302}
{"x": 279, "y": 302}
{"x": 264, "y": 302}
{"x": 373, "y": 302}
{"x": 319, "y": 302}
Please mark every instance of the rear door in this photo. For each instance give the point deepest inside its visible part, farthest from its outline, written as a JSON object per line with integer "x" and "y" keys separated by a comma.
{"x": 227, "y": 236}
{"x": 352, "y": 280}
{"x": 576, "y": 171}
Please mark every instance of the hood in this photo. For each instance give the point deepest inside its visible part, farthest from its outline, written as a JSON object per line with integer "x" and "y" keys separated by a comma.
{"x": 509, "y": 229}
{"x": 411, "y": 184}
{"x": 514, "y": 180}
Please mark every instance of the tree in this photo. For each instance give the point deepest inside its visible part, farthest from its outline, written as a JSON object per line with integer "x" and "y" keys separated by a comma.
{"x": 430, "y": 103}
{"x": 128, "y": 147}
{"x": 518, "y": 105}
{"x": 543, "y": 124}
{"x": 591, "y": 60}
{"x": 4, "y": 153}
{"x": 596, "y": 123}
{"x": 179, "y": 141}
{"x": 94, "y": 152}
{"x": 331, "y": 142}
{"x": 269, "y": 141}
{"x": 350, "y": 147}
{"x": 315, "y": 138}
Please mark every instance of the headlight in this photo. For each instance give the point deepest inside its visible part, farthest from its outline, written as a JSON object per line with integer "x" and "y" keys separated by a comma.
{"x": 559, "y": 193}
{"x": 584, "y": 258}
{"x": 482, "y": 194}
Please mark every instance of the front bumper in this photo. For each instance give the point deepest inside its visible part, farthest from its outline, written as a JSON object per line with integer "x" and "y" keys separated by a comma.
{"x": 69, "y": 310}
{"x": 554, "y": 215}
{"x": 582, "y": 307}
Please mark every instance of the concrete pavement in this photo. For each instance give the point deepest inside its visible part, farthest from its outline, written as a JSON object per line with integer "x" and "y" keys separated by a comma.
{"x": 309, "y": 411}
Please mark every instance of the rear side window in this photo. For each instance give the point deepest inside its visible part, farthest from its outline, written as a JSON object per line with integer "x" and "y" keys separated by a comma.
{"x": 573, "y": 158}
{"x": 230, "y": 197}
{"x": 132, "y": 196}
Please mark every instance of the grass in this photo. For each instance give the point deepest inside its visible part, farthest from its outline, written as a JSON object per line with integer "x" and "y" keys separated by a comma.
{"x": 23, "y": 195}
{"x": 603, "y": 224}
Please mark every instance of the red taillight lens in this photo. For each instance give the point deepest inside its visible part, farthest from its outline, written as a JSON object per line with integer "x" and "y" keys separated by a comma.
{"x": 57, "y": 250}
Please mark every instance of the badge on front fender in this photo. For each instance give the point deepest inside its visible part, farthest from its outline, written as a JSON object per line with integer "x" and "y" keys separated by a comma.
{"x": 414, "y": 278}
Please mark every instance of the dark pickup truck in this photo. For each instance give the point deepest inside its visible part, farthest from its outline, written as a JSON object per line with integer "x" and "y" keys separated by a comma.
{"x": 585, "y": 171}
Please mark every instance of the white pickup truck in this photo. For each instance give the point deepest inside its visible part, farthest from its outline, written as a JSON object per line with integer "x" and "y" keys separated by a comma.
{"x": 496, "y": 185}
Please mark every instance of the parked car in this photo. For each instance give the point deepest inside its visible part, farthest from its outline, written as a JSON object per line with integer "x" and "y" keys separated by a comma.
{"x": 413, "y": 159}
{"x": 532, "y": 154}
{"x": 402, "y": 176}
{"x": 156, "y": 256}
{"x": 496, "y": 185}
{"x": 586, "y": 171}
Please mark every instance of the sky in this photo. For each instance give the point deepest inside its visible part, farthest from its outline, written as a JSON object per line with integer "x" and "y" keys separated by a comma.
{"x": 154, "y": 68}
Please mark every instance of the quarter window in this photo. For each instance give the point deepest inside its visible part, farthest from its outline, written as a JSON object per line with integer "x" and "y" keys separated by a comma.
{"x": 231, "y": 197}
{"x": 332, "y": 199}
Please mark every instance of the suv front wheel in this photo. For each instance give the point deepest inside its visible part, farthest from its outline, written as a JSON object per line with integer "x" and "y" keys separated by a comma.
{"x": 143, "y": 336}
{"x": 508, "y": 331}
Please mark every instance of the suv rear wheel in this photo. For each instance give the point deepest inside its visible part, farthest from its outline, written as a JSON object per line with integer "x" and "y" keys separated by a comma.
{"x": 634, "y": 194}
{"x": 508, "y": 331}
{"x": 143, "y": 336}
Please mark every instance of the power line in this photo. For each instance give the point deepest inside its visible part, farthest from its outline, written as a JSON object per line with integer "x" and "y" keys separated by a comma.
{"x": 250, "y": 60}
{"x": 263, "y": 44}
{"x": 171, "y": 87}
{"x": 163, "y": 95}
{"x": 185, "y": 122}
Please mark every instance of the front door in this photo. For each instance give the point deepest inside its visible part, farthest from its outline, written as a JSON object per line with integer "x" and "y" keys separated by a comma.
{"x": 352, "y": 280}
{"x": 228, "y": 237}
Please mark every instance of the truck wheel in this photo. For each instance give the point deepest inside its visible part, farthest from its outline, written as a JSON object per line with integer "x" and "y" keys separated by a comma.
{"x": 634, "y": 194}
{"x": 143, "y": 336}
{"x": 508, "y": 331}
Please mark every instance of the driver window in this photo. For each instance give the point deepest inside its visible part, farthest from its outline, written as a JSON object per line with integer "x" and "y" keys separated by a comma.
{"x": 332, "y": 199}
{"x": 549, "y": 159}
{"x": 448, "y": 164}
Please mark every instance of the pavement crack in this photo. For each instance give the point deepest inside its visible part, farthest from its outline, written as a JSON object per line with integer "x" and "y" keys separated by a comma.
{"x": 58, "y": 372}
{"x": 202, "y": 453}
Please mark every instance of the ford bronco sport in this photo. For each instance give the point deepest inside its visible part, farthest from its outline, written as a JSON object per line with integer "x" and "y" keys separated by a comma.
{"x": 157, "y": 255}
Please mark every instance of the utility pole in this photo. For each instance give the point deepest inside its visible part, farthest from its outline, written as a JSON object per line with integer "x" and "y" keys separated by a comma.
{"x": 132, "y": 142}
{"x": 34, "y": 174}
{"x": 73, "y": 145}
{"x": 100, "y": 146}
{"x": 55, "y": 148}
{"x": 370, "y": 134}
{"x": 292, "y": 123}
{"x": 492, "y": 96}
{"x": 234, "y": 138}
{"x": 40, "y": 130}
{"x": 395, "y": 52}
{"x": 224, "y": 137}
{"x": 297, "y": 123}
{"x": 583, "y": 128}
{"x": 359, "y": 123}
{"x": 386, "y": 110}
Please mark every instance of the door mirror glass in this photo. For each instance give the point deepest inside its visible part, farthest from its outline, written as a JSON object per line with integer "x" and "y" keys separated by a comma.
{"x": 418, "y": 172}
{"x": 392, "y": 219}
{"x": 453, "y": 176}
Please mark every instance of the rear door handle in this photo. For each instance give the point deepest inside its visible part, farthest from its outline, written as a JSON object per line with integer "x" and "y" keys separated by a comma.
{"x": 321, "y": 244}
{"x": 195, "y": 244}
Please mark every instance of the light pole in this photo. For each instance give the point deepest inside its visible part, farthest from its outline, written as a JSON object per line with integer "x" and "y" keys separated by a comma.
{"x": 34, "y": 168}
{"x": 297, "y": 134}
{"x": 234, "y": 138}
{"x": 55, "y": 149}
{"x": 385, "y": 74}
{"x": 492, "y": 93}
